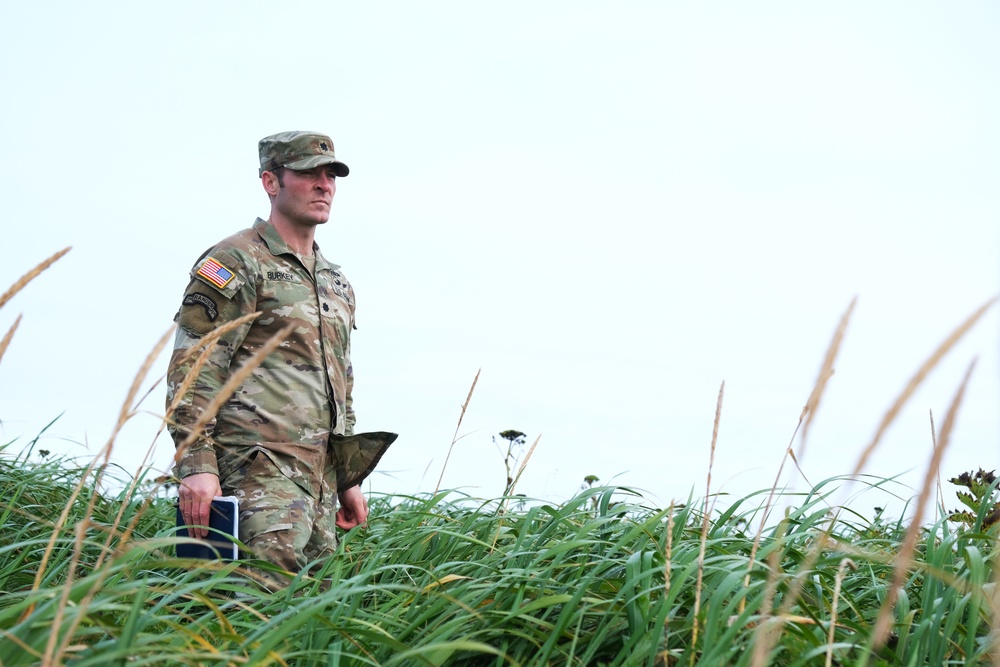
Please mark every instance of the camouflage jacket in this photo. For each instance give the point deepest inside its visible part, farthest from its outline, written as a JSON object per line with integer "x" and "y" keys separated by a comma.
{"x": 300, "y": 395}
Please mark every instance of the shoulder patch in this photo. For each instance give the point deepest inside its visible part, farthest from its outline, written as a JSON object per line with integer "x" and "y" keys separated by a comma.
{"x": 214, "y": 272}
{"x": 203, "y": 300}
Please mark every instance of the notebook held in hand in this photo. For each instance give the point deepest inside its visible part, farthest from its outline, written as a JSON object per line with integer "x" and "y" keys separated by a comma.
{"x": 223, "y": 523}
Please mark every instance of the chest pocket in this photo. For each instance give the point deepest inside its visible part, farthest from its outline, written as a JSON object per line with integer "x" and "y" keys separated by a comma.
{"x": 336, "y": 316}
{"x": 336, "y": 301}
{"x": 285, "y": 295}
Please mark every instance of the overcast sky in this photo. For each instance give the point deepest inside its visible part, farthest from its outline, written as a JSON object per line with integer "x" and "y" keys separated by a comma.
{"x": 609, "y": 208}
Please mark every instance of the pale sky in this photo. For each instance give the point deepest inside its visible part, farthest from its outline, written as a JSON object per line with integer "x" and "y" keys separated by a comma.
{"x": 609, "y": 208}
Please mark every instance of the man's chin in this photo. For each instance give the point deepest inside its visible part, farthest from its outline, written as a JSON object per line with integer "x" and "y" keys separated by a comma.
{"x": 321, "y": 216}
{"x": 315, "y": 220}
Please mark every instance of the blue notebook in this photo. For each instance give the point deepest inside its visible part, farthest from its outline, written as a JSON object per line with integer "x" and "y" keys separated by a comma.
{"x": 223, "y": 524}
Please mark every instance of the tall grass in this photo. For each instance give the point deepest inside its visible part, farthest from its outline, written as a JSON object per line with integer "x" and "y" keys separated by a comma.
{"x": 605, "y": 578}
{"x": 448, "y": 579}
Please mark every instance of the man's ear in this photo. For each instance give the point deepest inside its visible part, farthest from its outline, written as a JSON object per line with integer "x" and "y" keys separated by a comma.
{"x": 270, "y": 183}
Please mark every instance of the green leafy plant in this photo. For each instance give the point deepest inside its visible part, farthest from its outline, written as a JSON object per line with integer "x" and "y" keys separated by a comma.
{"x": 980, "y": 499}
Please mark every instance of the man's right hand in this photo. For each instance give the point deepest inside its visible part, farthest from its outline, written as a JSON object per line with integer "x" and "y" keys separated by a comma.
{"x": 195, "y": 500}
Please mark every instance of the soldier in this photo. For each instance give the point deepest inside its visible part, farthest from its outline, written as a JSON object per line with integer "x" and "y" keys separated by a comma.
{"x": 283, "y": 441}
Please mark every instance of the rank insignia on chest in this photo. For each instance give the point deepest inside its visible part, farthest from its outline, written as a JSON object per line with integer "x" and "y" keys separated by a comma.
{"x": 215, "y": 273}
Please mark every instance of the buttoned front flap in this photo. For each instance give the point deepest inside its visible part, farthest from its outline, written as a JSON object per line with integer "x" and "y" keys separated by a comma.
{"x": 355, "y": 456}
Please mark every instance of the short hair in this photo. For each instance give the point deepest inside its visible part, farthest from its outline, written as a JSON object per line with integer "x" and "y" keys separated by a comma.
{"x": 279, "y": 173}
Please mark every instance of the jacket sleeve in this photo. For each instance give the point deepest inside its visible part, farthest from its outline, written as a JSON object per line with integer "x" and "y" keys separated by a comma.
{"x": 192, "y": 383}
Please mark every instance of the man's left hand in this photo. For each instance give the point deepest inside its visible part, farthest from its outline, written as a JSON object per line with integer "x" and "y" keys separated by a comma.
{"x": 353, "y": 508}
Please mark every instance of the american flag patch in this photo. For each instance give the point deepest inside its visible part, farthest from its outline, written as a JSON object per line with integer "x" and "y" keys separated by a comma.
{"x": 215, "y": 273}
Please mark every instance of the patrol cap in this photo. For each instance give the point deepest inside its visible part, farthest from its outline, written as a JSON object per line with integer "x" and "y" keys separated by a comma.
{"x": 299, "y": 151}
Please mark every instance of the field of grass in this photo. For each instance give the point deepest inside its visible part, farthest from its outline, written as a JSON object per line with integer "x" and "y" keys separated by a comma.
{"x": 452, "y": 580}
{"x": 447, "y": 579}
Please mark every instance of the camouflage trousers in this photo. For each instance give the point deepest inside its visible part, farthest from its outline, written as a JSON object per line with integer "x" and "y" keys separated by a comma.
{"x": 280, "y": 521}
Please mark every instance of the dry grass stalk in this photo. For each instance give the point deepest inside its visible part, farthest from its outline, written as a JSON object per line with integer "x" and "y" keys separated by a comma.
{"x": 29, "y": 276}
{"x": 43, "y": 564}
{"x": 207, "y": 345}
{"x": 17, "y": 287}
{"x": 798, "y": 467}
{"x": 667, "y": 567}
{"x": 455, "y": 438}
{"x": 126, "y": 414}
{"x": 806, "y": 566}
{"x": 768, "y": 505}
{"x": 209, "y": 413}
{"x": 188, "y": 381}
{"x": 510, "y": 492}
{"x": 127, "y": 410}
{"x": 234, "y": 381}
{"x": 704, "y": 522}
{"x": 27, "y": 648}
{"x": 904, "y": 559}
{"x": 126, "y": 535}
{"x": 805, "y": 418}
{"x": 822, "y": 541}
{"x": 81, "y": 531}
{"x": 766, "y": 634}
{"x": 667, "y": 564}
{"x": 918, "y": 379}
{"x": 56, "y": 531}
{"x": 825, "y": 373}
{"x": 217, "y": 333}
{"x": 839, "y": 580}
{"x": 52, "y": 651}
{"x": 524, "y": 464}
{"x": 8, "y": 336}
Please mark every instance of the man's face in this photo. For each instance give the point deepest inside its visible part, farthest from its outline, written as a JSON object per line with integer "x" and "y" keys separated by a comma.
{"x": 305, "y": 196}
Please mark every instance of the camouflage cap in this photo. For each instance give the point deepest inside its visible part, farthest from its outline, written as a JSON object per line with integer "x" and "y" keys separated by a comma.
{"x": 299, "y": 151}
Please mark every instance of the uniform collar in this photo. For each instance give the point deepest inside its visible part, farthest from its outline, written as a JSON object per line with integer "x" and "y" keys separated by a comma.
{"x": 277, "y": 245}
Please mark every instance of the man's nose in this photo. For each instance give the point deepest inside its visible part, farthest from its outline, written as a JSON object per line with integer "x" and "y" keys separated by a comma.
{"x": 325, "y": 180}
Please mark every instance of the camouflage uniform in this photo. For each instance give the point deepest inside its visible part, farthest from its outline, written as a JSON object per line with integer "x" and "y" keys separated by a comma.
{"x": 283, "y": 442}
